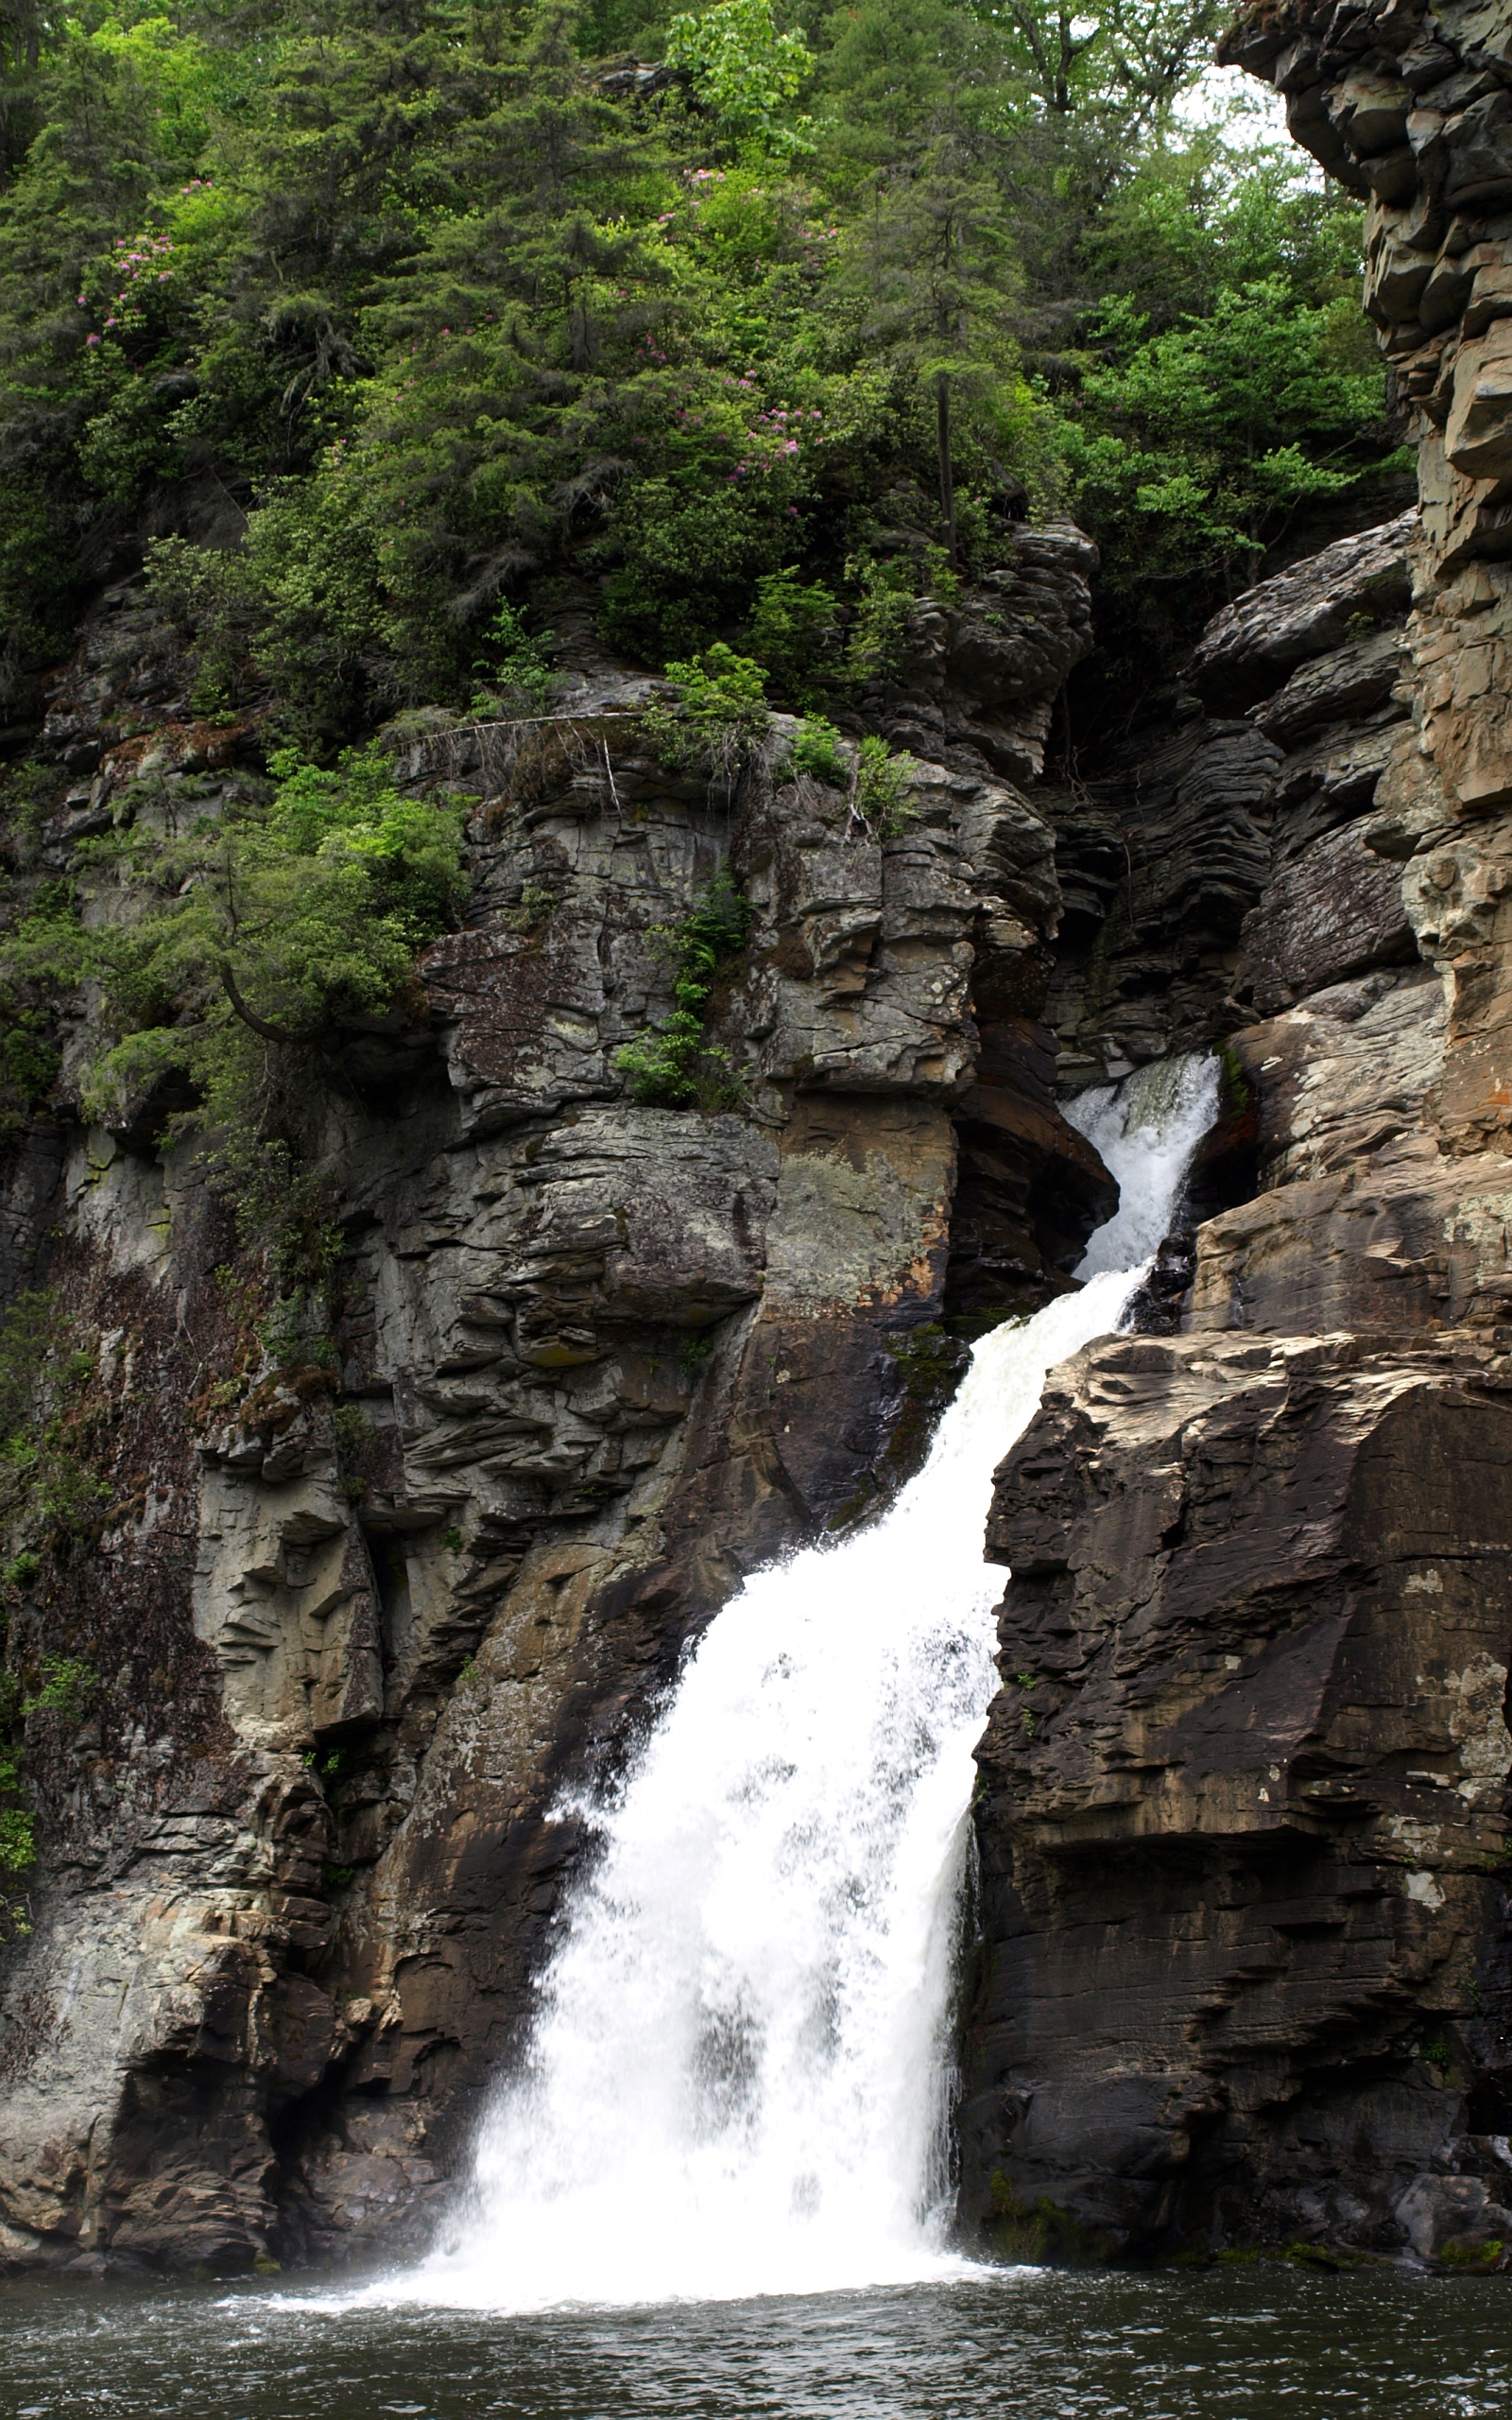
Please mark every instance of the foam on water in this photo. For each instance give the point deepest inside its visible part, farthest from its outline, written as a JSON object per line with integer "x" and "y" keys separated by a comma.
{"x": 738, "y": 2077}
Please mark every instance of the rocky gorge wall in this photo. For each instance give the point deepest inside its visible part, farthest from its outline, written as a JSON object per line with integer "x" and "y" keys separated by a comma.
{"x": 1242, "y": 1812}
{"x": 363, "y": 1609}
{"x": 365, "y": 1619}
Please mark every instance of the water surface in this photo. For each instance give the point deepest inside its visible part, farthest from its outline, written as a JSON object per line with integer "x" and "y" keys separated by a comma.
{"x": 1256, "y": 2343}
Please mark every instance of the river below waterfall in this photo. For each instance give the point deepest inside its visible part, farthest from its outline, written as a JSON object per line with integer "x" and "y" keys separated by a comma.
{"x": 1265, "y": 2343}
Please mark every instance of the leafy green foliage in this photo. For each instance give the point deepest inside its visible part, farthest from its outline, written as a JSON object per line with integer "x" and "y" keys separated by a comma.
{"x": 819, "y": 751}
{"x": 718, "y": 713}
{"x": 793, "y": 629}
{"x": 1211, "y": 432}
{"x": 744, "y": 71}
{"x": 353, "y": 1430}
{"x": 405, "y": 326}
{"x": 18, "y": 1830}
{"x": 672, "y": 1067}
{"x": 881, "y": 784}
{"x": 939, "y": 275}
{"x": 516, "y": 675}
{"x": 64, "y": 1688}
{"x": 889, "y": 587}
{"x": 258, "y": 934}
{"x": 18, "y": 1825}
{"x": 426, "y": 317}
{"x": 48, "y": 1488}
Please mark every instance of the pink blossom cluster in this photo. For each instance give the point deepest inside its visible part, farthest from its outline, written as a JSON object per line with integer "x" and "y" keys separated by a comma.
{"x": 147, "y": 258}
{"x": 784, "y": 426}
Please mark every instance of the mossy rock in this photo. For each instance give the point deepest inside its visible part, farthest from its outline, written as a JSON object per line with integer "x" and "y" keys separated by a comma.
{"x": 1472, "y": 2255}
{"x": 1041, "y": 2232}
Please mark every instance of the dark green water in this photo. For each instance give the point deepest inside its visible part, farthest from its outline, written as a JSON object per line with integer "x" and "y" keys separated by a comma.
{"x": 1260, "y": 2344}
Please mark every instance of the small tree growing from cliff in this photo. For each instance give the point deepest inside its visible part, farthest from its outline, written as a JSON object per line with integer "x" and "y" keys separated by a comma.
{"x": 247, "y": 944}
{"x": 715, "y": 716}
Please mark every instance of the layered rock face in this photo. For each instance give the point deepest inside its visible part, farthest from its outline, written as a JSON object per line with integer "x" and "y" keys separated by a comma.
{"x": 362, "y": 1624}
{"x": 365, "y": 1626}
{"x": 1244, "y": 1812}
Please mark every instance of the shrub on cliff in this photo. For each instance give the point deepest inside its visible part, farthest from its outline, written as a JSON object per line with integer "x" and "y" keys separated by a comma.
{"x": 672, "y": 1067}
{"x": 250, "y": 940}
{"x": 715, "y": 715}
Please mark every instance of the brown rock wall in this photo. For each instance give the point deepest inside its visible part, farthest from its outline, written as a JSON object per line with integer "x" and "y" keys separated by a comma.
{"x": 1242, "y": 1803}
{"x": 1244, "y": 1812}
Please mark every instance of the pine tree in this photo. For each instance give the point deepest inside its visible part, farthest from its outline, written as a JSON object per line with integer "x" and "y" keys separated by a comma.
{"x": 939, "y": 264}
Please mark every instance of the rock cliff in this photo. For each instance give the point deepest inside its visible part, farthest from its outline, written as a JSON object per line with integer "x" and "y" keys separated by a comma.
{"x": 366, "y": 1609}
{"x": 1242, "y": 1815}
{"x": 362, "y": 1613}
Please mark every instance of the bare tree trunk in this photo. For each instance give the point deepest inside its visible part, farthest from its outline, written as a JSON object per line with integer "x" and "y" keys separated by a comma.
{"x": 947, "y": 472}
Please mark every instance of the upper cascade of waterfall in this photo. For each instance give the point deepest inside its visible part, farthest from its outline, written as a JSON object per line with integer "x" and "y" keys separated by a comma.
{"x": 739, "y": 2078}
{"x": 1145, "y": 1130}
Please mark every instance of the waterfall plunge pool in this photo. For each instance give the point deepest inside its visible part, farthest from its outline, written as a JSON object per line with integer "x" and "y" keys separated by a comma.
{"x": 1263, "y": 2343}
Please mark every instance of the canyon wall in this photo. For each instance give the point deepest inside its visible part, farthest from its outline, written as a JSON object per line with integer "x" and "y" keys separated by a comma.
{"x": 1243, "y": 1813}
{"x": 368, "y": 1610}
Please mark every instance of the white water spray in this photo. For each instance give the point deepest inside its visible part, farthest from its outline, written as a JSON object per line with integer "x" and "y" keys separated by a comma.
{"x": 736, "y": 2081}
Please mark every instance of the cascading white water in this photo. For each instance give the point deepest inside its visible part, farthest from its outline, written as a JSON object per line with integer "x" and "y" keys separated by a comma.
{"x": 735, "y": 2082}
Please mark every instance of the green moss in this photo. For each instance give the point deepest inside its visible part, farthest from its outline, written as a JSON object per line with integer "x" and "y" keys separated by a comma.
{"x": 1234, "y": 1088}
{"x": 1042, "y": 2231}
{"x": 1313, "y": 2255}
{"x": 931, "y": 1364}
{"x": 1473, "y": 2254}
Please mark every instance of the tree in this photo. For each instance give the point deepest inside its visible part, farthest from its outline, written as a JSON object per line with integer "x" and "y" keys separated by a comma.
{"x": 742, "y": 70}
{"x": 1210, "y": 433}
{"x": 1130, "y": 58}
{"x": 936, "y": 259}
{"x": 22, "y": 30}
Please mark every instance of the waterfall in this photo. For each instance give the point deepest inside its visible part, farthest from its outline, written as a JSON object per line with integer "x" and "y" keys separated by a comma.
{"x": 735, "y": 2082}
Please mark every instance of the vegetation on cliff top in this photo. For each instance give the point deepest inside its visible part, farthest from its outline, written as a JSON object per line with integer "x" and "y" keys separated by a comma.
{"x": 383, "y": 331}
{"x": 367, "y": 320}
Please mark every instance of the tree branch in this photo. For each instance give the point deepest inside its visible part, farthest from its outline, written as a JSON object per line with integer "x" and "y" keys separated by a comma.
{"x": 249, "y": 1017}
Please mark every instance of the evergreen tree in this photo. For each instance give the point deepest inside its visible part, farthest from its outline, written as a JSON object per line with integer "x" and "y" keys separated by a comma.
{"x": 938, "y": 266}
